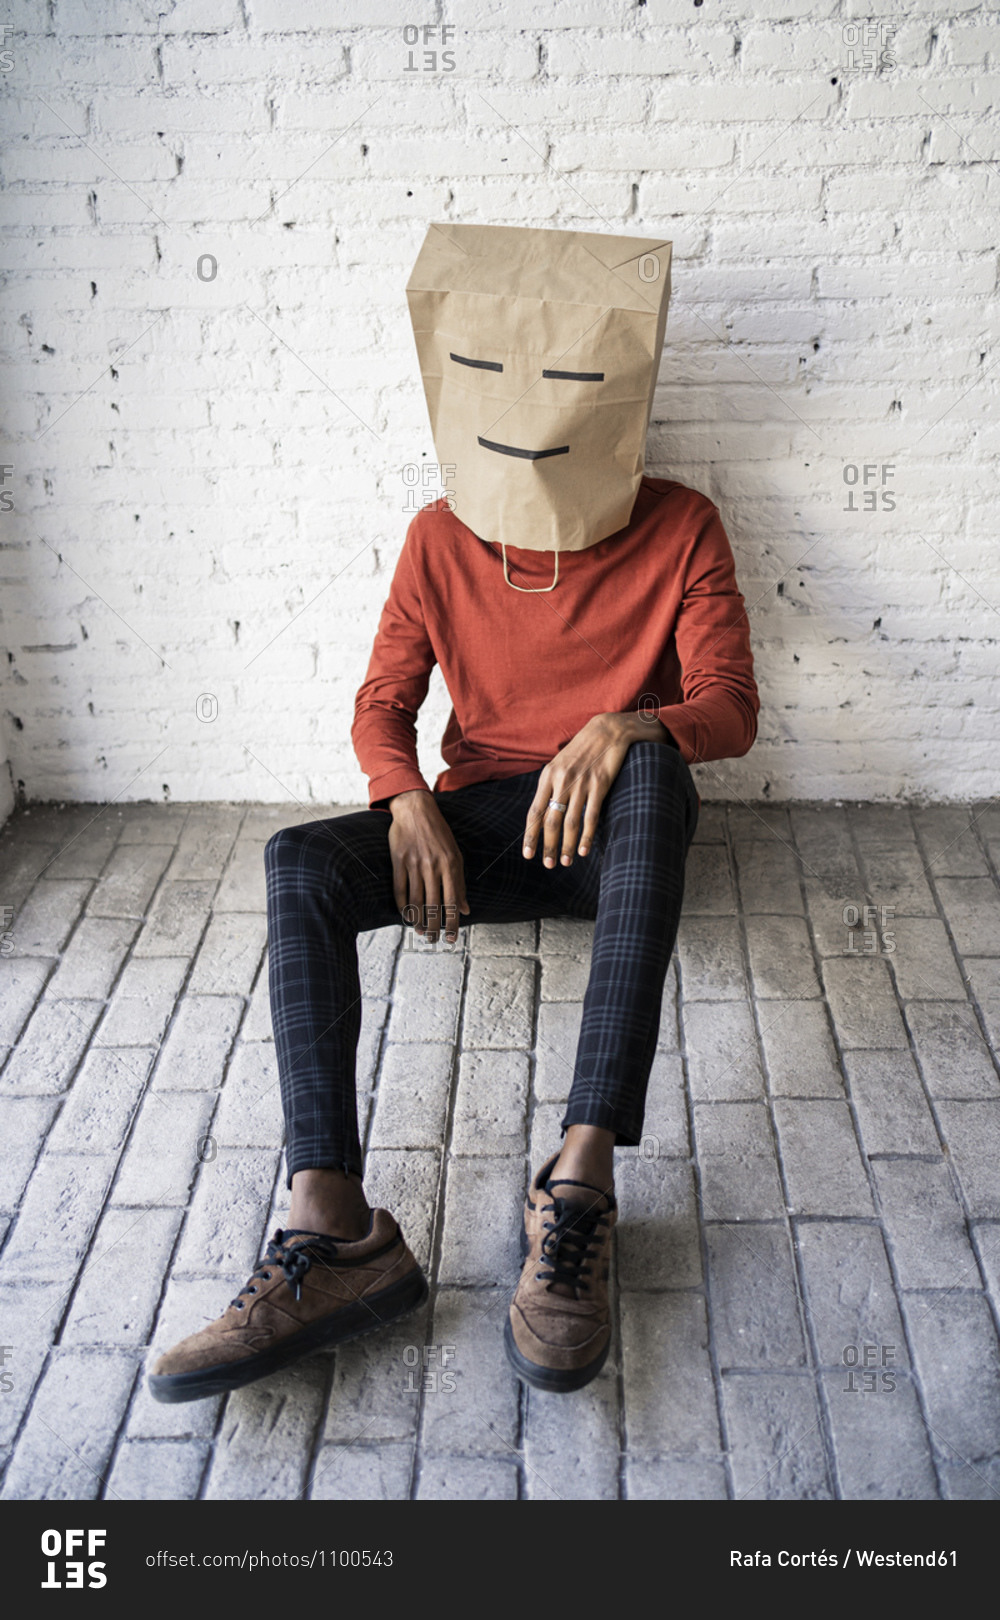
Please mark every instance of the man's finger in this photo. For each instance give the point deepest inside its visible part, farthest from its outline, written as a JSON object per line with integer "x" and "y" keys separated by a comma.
{"x": 414, "y": 899}
{"x": 553, "y": 825}
{"x": 399, "y": 885}
{"x": 458, "y": 884}
{"x": 572, "y": 822}
{"x": 449, "y": 907}
{"x": 432, "y": 904}
{"x": 590, "y": 820}
{"x": 533, "y": 820}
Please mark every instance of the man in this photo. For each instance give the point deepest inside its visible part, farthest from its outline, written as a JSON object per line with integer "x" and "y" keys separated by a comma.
{"x": 582, "y": 688}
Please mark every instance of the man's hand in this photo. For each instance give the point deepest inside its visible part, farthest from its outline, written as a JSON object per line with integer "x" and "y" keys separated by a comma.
{"x": 579, "y": 777}
{"x": 428, "y": 872}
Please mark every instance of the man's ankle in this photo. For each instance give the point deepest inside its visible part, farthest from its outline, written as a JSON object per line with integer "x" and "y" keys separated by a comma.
{"x": 590, "y": 1177}
{"x": 329, "y": 1201}
{"x": 587, "y": 1156}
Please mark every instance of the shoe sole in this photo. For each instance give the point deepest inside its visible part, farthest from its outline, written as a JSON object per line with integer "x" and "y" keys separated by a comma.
{"x": 353, "y": 1322}
{"x": 554, "y": 1380}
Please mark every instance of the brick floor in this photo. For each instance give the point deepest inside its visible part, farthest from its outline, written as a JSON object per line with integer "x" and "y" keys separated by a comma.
{"x": 807, "y": 1270}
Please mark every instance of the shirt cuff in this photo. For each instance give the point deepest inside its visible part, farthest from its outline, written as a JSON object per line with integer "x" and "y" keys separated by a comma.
{"x": 402, "y": 779}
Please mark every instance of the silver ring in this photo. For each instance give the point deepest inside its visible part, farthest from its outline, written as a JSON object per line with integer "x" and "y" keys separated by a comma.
{"x": 555, "y": 805}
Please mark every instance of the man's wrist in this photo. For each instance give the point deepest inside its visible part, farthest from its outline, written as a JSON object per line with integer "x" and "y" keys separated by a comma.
{"x": 639, "y": 727}
{"x": 400, "y": 803}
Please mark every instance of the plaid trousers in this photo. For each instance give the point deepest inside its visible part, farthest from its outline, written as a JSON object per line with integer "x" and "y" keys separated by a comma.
{"x": 328, "y": 881}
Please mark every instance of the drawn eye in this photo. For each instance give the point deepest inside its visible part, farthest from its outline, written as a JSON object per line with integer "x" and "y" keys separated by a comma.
{"x": 574, "y": 376}
{"x": 479, "y": 365}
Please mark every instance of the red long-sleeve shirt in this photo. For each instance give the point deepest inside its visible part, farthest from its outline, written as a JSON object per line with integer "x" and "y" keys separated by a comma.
{"x": 651, "y": 617}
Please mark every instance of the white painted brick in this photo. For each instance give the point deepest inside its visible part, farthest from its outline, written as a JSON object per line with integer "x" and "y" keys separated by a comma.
{"x": 300, "y": 15}
{"x": 60, "y": 64}
{"x": 889, "y": 98}
{"x": 841, "y": 228}
{"x": 657, "y": 149}
{"x": 122, "y": 17}
{"x": 803, "y": 47}
{"x": 750, "y": 102}
{"x": 482, "y": 55}
{"x": 972, "y": 44}
{"x": 654, "y": 52}
{"x": 63, "y": 163}
{"x": 195, "y": 63}
{"x": 153, "y": 112}
{"x": 354, "y": 108}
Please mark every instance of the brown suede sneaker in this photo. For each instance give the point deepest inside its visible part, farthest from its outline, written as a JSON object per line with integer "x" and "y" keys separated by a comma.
{"x": 558, "y": 1333}
{"x": 308, "y": 1291}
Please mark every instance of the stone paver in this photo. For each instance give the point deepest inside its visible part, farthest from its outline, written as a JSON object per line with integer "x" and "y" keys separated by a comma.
{"x": 263, "y": 1445}
{"x": 229, "y": 955}
{"x": 43, "y": 923}
{"x": 670, "y": 1402}
{"x": 24, "y": 1122}
{"x": 65, "y": 1447}
{"x": 955, "y": 1057}
{"x": 955, "y": 1350}
{"x": 49, "y": 1051}
{"x": 849, "y": 1292}
{"x": 755, "y": 1305}
{"x": 142, "y": 1002}
{"x": 880, "y": 1444}
{"x": 806, "y": 1270}
{"x": 721, "y": 1040}
{"x": 925, "y": 1225}
{"x": 151, "y": 1471}
{"x": 413, "y": 1095}
{"x": 129, "y": 880}
{"x": 177, "y": 919}
{"x": 490, "y": 1103}
{"x": 91, "y": 962}
{"x": 819, "y": 1152}
{"x": 892, "y": 1109}
{"x": 775, "y": 1432}
{"x": 799, "y": 1051}
{"x": 193, "y": 1056}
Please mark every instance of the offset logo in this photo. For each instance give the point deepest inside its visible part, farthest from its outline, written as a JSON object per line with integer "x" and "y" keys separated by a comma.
{"x": 64, "y": 1569}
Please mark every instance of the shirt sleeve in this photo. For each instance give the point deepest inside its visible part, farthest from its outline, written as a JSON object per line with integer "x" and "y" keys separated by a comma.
{"x": 717, "y": 718}
{"x": 384, "y": 733}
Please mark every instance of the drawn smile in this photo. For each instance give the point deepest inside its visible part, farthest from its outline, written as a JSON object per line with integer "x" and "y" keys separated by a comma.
{"x": 526, "y": 455}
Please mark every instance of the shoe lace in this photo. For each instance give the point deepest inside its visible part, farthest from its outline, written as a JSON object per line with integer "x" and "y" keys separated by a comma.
{"x": 569, "y": 1243}
{"x": 294, "y": 1262}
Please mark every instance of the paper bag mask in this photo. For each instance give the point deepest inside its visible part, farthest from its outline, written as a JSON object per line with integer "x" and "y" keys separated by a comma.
{"x": 539, "y": 352}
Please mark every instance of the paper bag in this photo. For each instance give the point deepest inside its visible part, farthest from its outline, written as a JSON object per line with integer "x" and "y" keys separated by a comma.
{"x": 539, "y": 352}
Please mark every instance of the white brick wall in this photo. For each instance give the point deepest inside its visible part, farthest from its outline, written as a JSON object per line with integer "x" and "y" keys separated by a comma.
{"x": 207, "y": 474}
